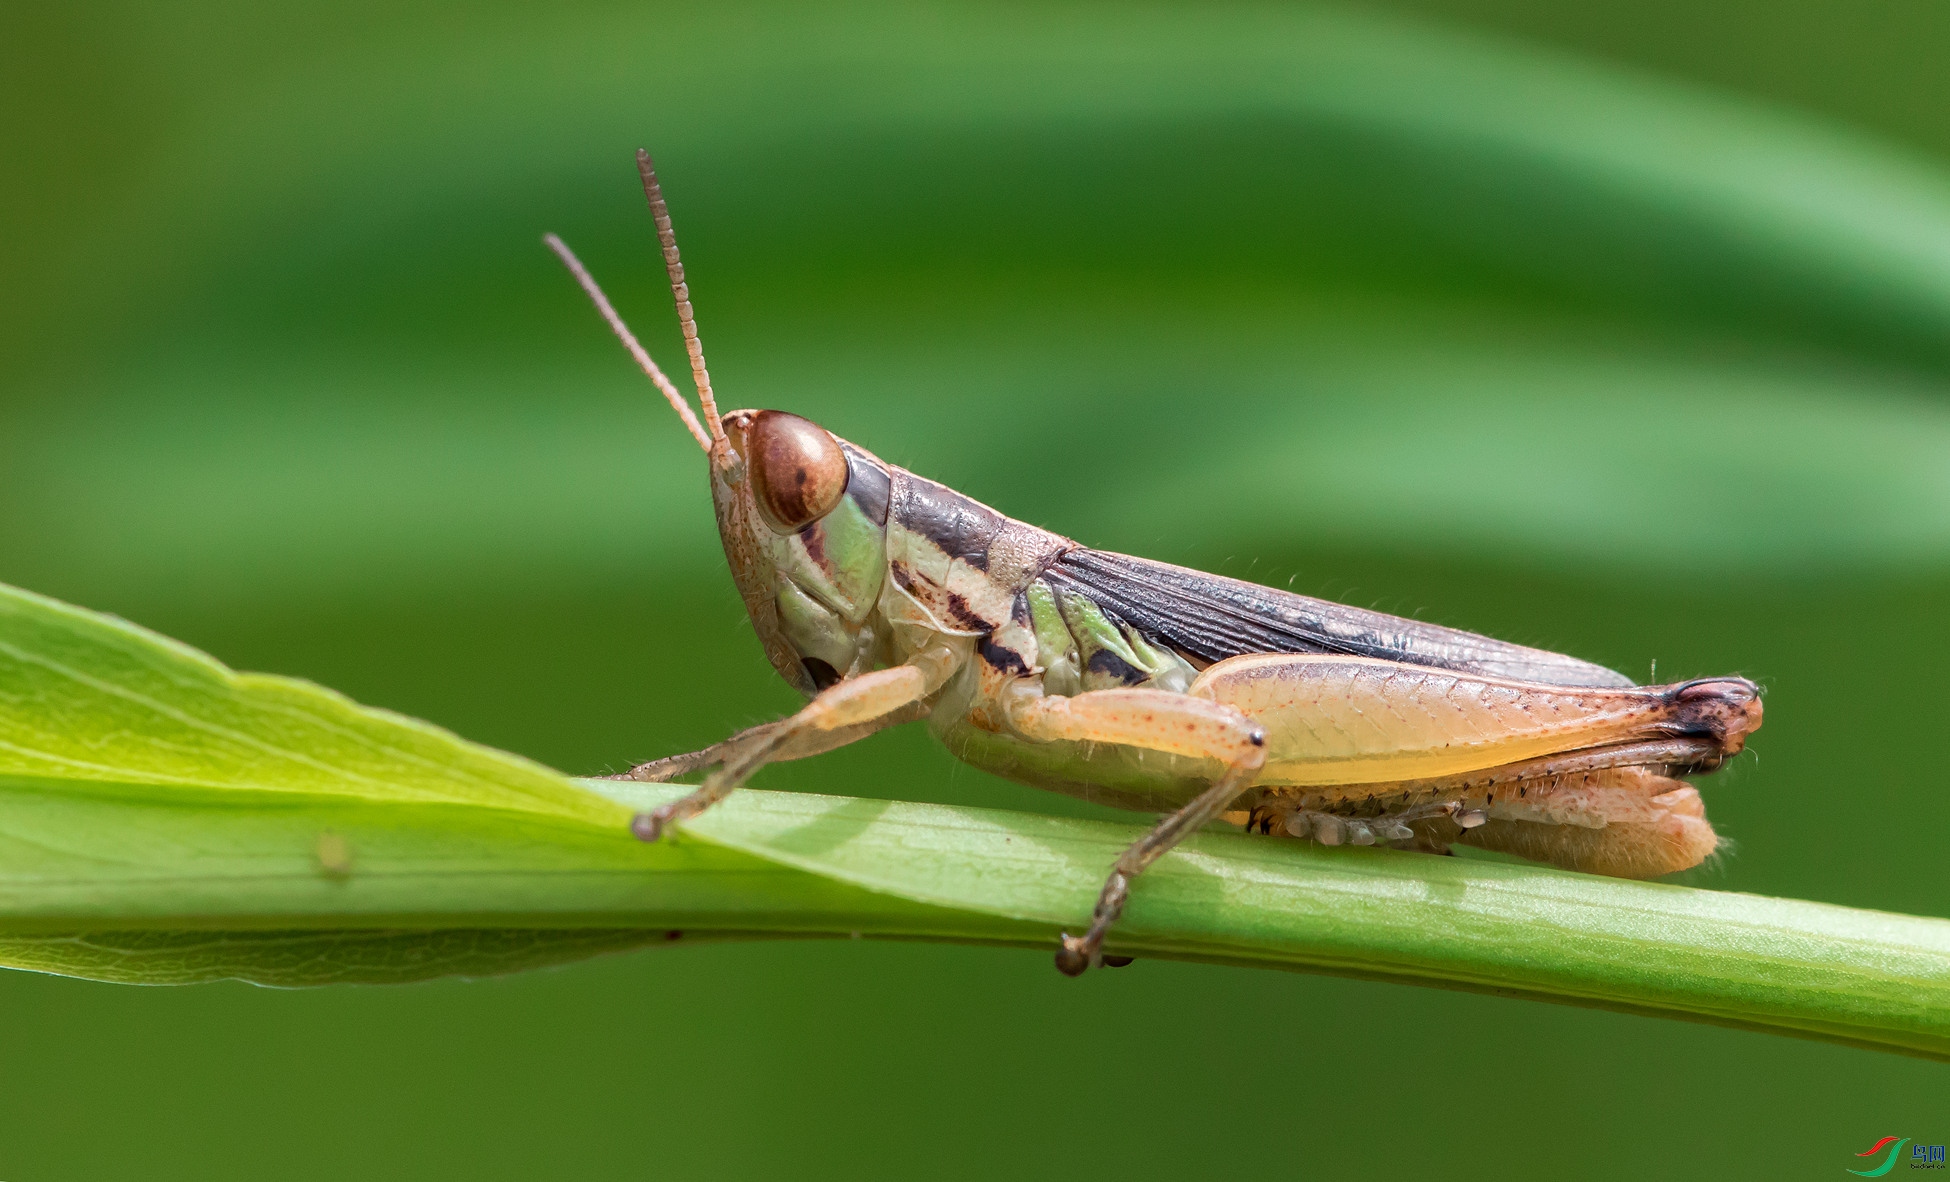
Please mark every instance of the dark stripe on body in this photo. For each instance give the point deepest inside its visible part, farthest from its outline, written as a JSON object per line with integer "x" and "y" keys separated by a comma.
{"x": 813, "y": 538}
{"x": 1001, "y": 657}
{"x": 961, "y": 526}
{"x": 966, "y": 617}
{"x": 1106, "y": 663}
{"x": 868, "y": 483}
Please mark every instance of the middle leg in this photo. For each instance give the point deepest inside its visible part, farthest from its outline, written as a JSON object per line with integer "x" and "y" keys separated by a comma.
{"x": 1155, "y": 720}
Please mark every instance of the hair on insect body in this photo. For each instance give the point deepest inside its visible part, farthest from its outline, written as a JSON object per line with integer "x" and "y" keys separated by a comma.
{"x": 886, "y": 598}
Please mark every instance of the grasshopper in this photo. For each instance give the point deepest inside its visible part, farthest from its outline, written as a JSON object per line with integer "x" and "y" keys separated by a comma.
{"x": 886, "y": 598}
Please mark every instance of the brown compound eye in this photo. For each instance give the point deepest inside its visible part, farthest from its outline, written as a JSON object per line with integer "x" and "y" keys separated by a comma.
{"x": 798, "y": 470}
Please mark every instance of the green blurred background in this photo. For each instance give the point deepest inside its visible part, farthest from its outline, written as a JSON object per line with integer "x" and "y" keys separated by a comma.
{"x": 1619, "y": 328}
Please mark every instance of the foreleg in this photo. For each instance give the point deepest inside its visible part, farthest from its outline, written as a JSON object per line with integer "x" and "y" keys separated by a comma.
{"x": 1158, "y": 721}
{"x": 803, "y": 745}
{"x": 842, "y": 712}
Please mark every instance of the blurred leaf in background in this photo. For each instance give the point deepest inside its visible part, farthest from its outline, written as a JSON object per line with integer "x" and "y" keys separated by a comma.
{"x": 1434, "y": 317}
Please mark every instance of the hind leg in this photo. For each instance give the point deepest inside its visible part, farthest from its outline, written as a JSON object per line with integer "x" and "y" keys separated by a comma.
{"x": 1350, "y": 720}
{"x": 1627, "y": 822}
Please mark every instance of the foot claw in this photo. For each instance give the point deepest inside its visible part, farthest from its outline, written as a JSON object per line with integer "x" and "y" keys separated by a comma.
{"x": 648, "y": 826}
{"x": 1071, "y": 958}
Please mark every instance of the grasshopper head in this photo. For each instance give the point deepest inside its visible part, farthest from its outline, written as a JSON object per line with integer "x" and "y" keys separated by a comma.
{"x": 803, "y": 518}
{"x": 803, "y": 515}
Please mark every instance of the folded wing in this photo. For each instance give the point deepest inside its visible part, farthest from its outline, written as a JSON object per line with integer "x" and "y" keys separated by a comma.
{"x": 1212, "y": 618}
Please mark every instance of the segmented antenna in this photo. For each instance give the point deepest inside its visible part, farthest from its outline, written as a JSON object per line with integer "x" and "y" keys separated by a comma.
{"x": 665, "y": 235}
{"x": 629, "y": 340}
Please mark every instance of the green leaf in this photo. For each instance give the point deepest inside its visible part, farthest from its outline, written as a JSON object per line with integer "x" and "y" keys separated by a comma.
{"x": 95, "y": 700}
{"x": 1829, "y": 972}
{"x": 163, "y": 819}
{"x": 303, "y": 958}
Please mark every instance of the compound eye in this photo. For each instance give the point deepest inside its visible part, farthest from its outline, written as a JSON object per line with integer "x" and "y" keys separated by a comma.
{"x": 798, "y": 470}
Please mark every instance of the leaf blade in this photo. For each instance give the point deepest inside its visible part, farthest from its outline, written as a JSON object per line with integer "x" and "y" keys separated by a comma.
{"x": 92, "y": 697}
{"x": 1867, "y": 977}
{"x": 216, "y": 866}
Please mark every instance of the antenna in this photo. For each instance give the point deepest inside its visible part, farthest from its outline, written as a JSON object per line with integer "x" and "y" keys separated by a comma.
{"x": 668, "y": 238}
{"x": 623, "y": 334}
